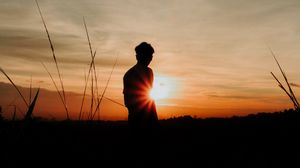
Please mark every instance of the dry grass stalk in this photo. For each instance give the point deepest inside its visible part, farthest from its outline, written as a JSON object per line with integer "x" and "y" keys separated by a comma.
{"x": 60, "y": 96}
{"x": 30, "y": 106}
{"x": 94, "y": 87}
{"x": 55, "y": 60}
{"x": 283, "y": 88}
{"x": 85, "y": 87}
{"x": 99, "y": 102}
{"x": 114, "y": 101}
{"x": 23, "y": 98}
{"x": 92, "y": 70}
{"x": 290, "y": 93}
{"x": 92, "y": 95}
{"x": 30, "y": 88}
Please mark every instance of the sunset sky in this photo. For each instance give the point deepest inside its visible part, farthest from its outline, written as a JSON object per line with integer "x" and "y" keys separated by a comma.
{"x": 211, "y": 55}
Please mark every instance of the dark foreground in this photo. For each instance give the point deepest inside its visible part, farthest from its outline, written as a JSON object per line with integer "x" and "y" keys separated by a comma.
{"x": 264, "y": 140}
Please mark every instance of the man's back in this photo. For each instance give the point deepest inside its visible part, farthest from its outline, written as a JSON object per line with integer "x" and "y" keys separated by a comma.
{"x": 138, "y": 82}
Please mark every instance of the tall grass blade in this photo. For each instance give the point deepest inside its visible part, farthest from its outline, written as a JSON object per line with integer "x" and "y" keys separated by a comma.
{"x": 30, "y": 88}
{"x": 88, "y": 37}
{"x": 92, "y": 96}
{"x": 286, "y": 80}
{"x": 60, "y": 96}
{"x": 28, "y": 115}
{"x": 94, "y": 72}
{"x": 114, "y": 101}
{"x": 54, "y": 56}
{"x": 80, "y": 112}
{"x": 85, "y": 86}
{"x": 295, "y": 101}
{"x": 92, "y": 66}
{"x": 23, "y": 98}
{"x": 99, "y": 103}
{"x": 283, "y": 88}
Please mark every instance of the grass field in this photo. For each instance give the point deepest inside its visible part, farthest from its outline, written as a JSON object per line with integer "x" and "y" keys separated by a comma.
{"x": 261, "y": 140}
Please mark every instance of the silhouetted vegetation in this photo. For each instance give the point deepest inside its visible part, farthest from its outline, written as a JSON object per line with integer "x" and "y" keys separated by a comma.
{"x": 288, "y": 91}
{"x": 256, "y": 140}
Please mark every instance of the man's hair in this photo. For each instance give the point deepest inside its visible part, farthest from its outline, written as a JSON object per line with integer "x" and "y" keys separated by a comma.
{"x": 144, "y": 49}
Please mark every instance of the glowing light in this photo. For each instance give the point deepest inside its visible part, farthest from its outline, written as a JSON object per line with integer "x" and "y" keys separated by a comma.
{"x": 162, "y": 88}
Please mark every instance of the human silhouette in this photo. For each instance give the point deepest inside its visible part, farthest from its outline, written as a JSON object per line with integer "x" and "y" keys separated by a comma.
{"x": 138, "y": 82}
{"x": 142, "y": 116}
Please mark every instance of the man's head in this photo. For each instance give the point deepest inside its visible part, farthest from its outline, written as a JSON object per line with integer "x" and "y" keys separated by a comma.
{"x": 144, "y": 52}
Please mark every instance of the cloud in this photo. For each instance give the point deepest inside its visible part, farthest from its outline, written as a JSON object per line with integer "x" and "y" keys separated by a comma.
{"x": 208, "y": 45}
{"x": 233, "y": 97}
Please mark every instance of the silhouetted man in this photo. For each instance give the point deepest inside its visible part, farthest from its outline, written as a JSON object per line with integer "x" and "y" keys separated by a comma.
{"x": 138, "y": 81}
{"x": 142, "y": 116}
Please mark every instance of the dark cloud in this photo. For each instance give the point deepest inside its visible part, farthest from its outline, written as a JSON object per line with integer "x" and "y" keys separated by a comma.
{"x": 239, "y": 97}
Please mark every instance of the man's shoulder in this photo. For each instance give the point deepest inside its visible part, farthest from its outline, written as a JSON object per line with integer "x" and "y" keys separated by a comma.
{"x": 133, "y": 71}
{"x": 130, "y": 71}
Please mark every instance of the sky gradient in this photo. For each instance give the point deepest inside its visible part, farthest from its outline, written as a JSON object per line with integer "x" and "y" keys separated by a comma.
{"x": 214, "y": 53}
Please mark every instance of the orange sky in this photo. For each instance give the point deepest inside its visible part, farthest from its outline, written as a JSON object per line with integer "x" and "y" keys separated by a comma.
{"x": 211, "y": 55}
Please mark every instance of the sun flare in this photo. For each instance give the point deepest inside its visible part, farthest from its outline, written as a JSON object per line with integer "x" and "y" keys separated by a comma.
{"x": 163, "y": 87}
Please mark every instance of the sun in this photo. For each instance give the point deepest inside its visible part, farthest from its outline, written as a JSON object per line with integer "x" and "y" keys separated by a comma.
{"x": 162, "y": 88}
